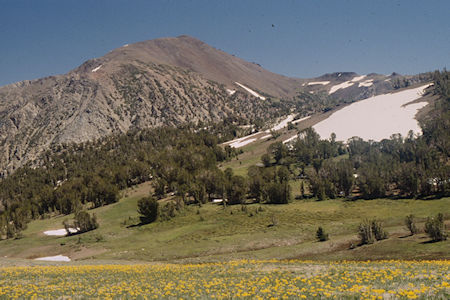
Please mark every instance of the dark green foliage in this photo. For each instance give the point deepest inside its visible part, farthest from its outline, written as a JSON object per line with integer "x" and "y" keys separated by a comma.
{"x": 321, "y": 236}
{"x": 236, "y": 190}
{"x": 84, "y": 221}
{"x": 278, "y": 193}
{"x": 371, "y": 231}
{"x": 64, "y": 179}
{"x": 265, "y": 158}
{"x": 148, "y": 209}
{"x": 411, "y": 224}
{"x": 435, "y": 228}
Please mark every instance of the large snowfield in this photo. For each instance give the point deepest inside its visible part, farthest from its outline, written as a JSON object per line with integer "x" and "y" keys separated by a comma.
{"x": 375, "y": 118}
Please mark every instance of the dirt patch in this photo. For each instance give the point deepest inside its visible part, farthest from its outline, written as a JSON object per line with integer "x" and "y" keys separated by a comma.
{"x": 85, "y": 253}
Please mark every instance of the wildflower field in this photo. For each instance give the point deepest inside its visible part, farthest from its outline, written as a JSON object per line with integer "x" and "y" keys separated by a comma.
{"x": 248, "y": 279}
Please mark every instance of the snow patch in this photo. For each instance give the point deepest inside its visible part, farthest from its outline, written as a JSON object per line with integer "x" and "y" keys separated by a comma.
{"x": 241, "y": 138}
{"x": 366, "y": 83}
{"x": 300, "y": 120}
{"x": 231, "y": 92}
{"x": 242, "y": 143}
{"x": 60, "y": 232}
{"x": 265, "y": 137}
{"x": 54, "y": 258}
{"x": 96, "y": 69}
{"x": 346, "y": 84}
{"x": 375, "y": 118}
{"x": 252, "y": 92}
{"x": 282, "y": 124}
{"x": 290, "y": 139}
{"x": 358, "y": 78}
{"x": 318, "y": 82}
{"x": 343, "y": 85}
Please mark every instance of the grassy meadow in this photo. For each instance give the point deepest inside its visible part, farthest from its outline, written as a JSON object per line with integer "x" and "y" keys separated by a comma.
{"x": 214, "y": 233}
{"x": 247, "y": 279}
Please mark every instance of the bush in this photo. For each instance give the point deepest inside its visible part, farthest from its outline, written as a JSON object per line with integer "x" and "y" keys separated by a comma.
{"x": 371, "y": 231}
{"x": 321, "y": 235}
{"x": 378, "y": 232}
{"x": 435, "y": 229}
{"x": 411, "y": 225}
{"x": 365, "y": 233}
{"x": 148, "y": 208}
{"x": 167, "y": 211}
{"x": 84, "y": 221}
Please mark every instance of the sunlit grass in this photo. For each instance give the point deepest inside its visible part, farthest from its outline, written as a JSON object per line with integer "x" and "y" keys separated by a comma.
{"x": 250, "y": 279}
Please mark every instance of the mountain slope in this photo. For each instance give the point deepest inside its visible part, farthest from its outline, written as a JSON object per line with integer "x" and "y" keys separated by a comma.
{"x": 192, "y": 54}
{"x": 167, "y": 81}
{"x": 160, "y": 82}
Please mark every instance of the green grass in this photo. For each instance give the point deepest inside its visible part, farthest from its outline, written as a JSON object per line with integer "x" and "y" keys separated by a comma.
{"x": 214, "y": 233}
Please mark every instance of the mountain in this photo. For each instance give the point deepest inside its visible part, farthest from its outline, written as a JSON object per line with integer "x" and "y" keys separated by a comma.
{"x": 168, "y": 81}
{"x": 160, "y": 82}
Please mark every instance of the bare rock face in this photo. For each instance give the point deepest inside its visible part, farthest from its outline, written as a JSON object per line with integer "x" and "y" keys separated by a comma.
{"x": 160, "y": 82}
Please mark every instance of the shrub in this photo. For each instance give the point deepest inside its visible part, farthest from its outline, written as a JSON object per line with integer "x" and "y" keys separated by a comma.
{"x": 84, "y": 221}
{"x": 365, "y": 233}
{"x": 321, "y": 235}
{"x": 167, "y": 211}
{"x": 410, "y": 224}
{"x": 148, "y": 208}
{"x": 378, "y": 232}
{"x": 435, "y": 229}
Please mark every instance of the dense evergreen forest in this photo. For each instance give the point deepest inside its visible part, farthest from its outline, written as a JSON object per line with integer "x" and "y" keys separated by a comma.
{"x": 184, "y": 162}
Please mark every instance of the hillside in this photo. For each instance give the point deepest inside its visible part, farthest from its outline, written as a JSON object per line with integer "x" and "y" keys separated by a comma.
{"x": 169, "y": 81}
{"x": 214, "y": 233}
{"x": 160, "y": 82}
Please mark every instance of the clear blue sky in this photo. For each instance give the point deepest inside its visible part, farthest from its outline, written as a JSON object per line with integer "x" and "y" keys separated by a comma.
{"x": 307, "y": 39}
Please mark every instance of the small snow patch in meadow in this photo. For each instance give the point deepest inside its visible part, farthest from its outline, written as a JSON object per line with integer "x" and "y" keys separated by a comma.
{"x": 366, "y": 83}
{"x": 375, "y": 118}
{"x": 60, "y": 232}
{"x": 318, "y": 82}
{"x": 252, "y": 92}
{"x": 96, "y": 69}
{"x": 54, "y": 258}
{"x": 230, "y": 92}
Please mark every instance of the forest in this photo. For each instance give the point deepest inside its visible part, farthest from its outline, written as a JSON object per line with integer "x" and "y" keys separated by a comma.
{"x": 183, "y": 161}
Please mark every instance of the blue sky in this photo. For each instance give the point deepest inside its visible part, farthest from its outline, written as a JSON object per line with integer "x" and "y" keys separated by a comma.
{"x": 294, "y": 38}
